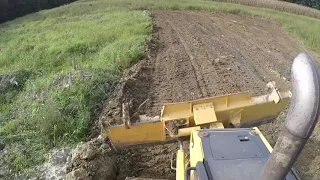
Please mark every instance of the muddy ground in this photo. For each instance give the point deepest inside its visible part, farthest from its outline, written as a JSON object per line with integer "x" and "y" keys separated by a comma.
{"x": 194, "y": 55}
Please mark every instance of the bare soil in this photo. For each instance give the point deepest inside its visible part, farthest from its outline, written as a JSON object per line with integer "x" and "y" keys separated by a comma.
{"x": 195, "y": 55}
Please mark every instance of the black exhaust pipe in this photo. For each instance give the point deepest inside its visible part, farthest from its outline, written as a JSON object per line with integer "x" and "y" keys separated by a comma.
{"x": 300, "y": 121}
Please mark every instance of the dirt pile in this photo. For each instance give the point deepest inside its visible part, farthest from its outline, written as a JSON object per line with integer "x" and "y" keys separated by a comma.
{"x": 92, "y": 160}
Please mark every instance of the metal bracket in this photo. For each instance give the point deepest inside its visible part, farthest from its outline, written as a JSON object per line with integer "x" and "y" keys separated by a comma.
{"x": 126, "y": 115}
{"x": 275, "y": 94}
{"x": 171, "y": 161}
{"x": 235, "y": 118}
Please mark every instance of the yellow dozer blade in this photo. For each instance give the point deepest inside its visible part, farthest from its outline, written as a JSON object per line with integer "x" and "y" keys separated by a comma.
{"x": 177, "y": 120}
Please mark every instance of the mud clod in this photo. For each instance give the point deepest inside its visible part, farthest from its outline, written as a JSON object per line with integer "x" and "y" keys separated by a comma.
{"x": 93, "y": 160}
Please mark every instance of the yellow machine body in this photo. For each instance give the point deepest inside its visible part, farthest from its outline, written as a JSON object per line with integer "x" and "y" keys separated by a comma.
{"x": 197, "y": 154}
{"x": 224, "y": 114}
{"x": 232, "y": 110}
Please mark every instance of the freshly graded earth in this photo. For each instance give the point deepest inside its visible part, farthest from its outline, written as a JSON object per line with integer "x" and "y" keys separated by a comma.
{"x": 195, "y": 55}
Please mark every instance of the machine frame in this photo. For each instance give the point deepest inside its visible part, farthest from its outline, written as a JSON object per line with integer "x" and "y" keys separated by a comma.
{"x": 180, "y": 119}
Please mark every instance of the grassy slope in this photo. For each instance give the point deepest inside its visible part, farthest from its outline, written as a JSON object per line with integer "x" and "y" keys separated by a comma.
{"x": 52, "y": 104}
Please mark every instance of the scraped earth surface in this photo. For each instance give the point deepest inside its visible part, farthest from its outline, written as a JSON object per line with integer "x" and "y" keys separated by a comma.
{"x": 195, "y": 55}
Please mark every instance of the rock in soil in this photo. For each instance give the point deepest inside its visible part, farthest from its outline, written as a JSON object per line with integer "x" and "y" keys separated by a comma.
{"x": 90, "y": 160}
{"x": 93, "y": 160}
{"x": 56, "y": 168}
{"x": 80, "y": 174}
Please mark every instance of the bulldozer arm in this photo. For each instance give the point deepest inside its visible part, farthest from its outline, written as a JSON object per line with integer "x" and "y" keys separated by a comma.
{"x": 178, "y": 120}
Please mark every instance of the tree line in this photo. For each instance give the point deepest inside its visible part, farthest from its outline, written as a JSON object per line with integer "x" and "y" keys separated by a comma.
{"x": 310, "y": 3}
{"x": 10, "y": 9}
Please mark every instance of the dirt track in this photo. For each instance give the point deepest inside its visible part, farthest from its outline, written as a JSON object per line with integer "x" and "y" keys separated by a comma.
{"x": 199, "y": 54}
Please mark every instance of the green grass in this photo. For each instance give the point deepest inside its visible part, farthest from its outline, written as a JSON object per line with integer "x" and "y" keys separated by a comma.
{"x": 279, "y": 5}
{"x": 53, "y": 104}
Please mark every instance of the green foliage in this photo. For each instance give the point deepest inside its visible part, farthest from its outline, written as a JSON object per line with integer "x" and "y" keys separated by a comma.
{"x": 52, "y": 124}
{"x": 310, "y": 3}
{"x": 11, "y": 9}
{"x": 8, "y": 88}
{"x": 52, "y": 105}
{"x": 20, "y": 162}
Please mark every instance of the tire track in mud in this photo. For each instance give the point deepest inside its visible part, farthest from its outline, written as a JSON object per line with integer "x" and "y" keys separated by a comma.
{"x": 174, "y": 77}
{"x": 194, "y": 63}
{"x": 264, "y": 57}
{"x": 241, "y": 74}
{"x": 225, "y": 66}
{"x": 248, "y": 80}
{"x": 196, "y": 55}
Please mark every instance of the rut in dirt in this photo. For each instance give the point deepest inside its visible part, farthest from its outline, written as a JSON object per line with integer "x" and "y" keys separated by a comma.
{"x": 201, "y": 55}
{"x": 195, "y": 55}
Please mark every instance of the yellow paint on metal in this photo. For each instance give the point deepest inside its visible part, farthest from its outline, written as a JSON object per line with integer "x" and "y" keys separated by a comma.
{"x": 137, "y": 134}
{"x": 235, "y": 117}
{"x": 187, "y": 131}
{"x": 196, "y": 151}
{"x": 216, "y": 125}
{"x": 234, "y": 109}
{"x": 180, "y": 165}
{"x": 204, "y": 113}
{"x": 264, "y": 140}
{"x": 263, "y": 111}
{"x": 176, "y": 111}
